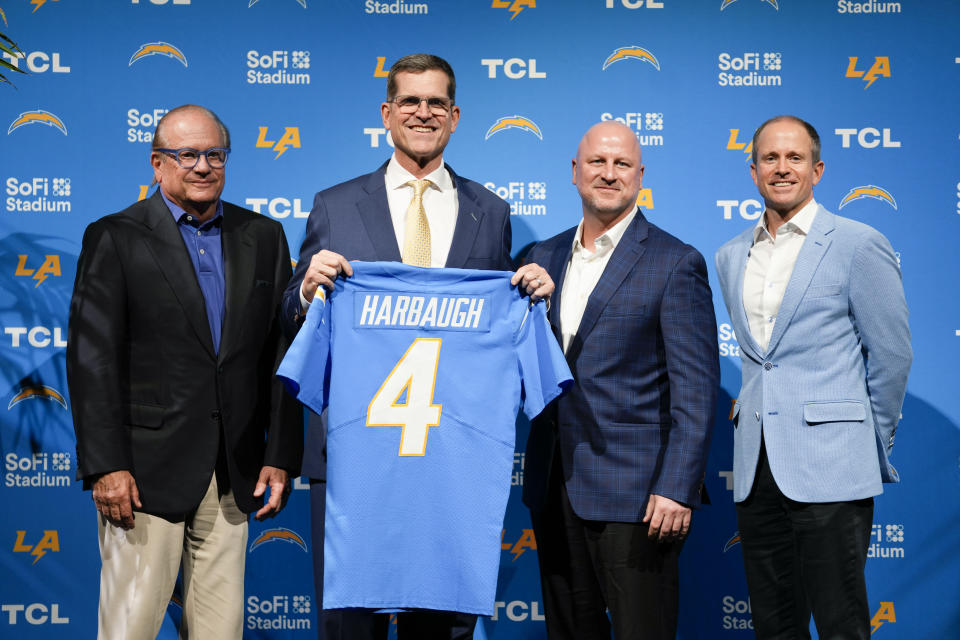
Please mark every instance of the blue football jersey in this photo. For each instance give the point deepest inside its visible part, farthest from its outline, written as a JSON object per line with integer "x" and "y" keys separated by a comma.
{"x": 422, "y": 372}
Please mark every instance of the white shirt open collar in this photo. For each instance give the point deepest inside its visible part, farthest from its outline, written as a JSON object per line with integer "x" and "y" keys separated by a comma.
{"x": 801, "y": 222}
{"x": 606, "y": 241}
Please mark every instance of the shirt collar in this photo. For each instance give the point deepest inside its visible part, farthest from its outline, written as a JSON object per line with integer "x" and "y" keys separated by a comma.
{"x": 178, "y": 213}
{"x": 801, "y": 222}
{"x": 611, "y": 237}
{"x": 397, "y": 177}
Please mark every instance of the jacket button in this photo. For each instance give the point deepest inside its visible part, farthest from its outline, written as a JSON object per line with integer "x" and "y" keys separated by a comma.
{"x": 768, "y": 365}
{"x": 214, "y": 415}
{"x": 757, "y": 414}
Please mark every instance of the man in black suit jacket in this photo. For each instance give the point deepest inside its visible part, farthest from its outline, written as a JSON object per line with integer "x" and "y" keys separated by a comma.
{"x": 365, "y": 219}
{"x": 181, "y": 427}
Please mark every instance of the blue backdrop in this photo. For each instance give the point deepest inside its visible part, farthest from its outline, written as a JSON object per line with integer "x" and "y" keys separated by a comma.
{"x": 299, "y": 83}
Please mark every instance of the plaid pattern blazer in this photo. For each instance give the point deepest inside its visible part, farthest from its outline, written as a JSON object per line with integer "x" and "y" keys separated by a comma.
{"x": 639, "y": 416}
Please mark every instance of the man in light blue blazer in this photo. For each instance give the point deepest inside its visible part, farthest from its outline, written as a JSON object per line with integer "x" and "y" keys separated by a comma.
{"x": 817, "y": 304}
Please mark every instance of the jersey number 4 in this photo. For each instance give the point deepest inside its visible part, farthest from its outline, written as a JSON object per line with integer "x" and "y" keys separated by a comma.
{"x": 405, "y": 399}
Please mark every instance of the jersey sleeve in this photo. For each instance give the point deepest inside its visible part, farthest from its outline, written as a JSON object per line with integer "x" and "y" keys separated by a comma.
{"x": 543, "y": 369}
{"x": 305, "y": 370}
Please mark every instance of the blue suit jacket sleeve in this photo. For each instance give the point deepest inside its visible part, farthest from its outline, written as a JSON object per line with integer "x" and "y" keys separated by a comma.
{"x": 316, "y": 239}
{"x": 885, "y": 335}
{"x": 688, "y": 326}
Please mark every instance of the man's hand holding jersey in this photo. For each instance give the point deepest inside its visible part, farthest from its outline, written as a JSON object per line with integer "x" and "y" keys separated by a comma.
{"x": 326, "y": 266}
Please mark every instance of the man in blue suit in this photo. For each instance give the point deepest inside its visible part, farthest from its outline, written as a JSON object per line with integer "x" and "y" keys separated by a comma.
{"x": 817, "y": 304}
{"x": 615, "y": 466}
{"x": 414, "y": 209}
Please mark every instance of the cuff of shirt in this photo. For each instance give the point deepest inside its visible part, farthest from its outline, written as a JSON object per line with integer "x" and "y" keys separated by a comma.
{"x": 304, "y": 303}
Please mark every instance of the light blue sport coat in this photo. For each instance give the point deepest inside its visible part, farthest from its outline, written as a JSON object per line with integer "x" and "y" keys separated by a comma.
{"x": 828, "y": 390}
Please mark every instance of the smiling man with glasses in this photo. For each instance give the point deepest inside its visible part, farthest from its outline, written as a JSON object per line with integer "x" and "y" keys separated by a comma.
{"x": 189, "y": 158}
{"x": 182, "y": 431}
{"x": 413, "y": 209}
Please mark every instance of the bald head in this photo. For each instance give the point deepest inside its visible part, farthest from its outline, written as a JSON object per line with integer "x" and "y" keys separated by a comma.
{"x": 610, "y": 129}
{"x": 608, "y": 172}
{"x": 177, "y": 113}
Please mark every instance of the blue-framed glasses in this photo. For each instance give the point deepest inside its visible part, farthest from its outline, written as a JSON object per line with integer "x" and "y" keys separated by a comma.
{"x": 188, "y": 158}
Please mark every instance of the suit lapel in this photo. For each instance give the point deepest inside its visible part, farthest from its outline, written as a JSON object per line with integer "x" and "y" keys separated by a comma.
{"x": 166, "y": 246}
{"x": 814, "y": 247}
{"x": 557, "y": 268}
{"x": 238, "y": 268}
{"x": 375, "y": 215}
{"x": 469, "y": 215}
{"x": 741, "y": 323}
{"x": 625, "y": 256}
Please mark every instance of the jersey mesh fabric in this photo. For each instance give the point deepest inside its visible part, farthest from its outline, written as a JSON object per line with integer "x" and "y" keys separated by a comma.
{"x": 421, "y": 531}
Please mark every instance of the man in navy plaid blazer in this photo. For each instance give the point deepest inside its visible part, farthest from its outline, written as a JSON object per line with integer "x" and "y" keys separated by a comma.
{"x": 615, "y": 466}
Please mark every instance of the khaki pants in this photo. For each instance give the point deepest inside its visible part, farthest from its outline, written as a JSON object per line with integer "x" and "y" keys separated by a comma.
{"x": 140, "y": 569}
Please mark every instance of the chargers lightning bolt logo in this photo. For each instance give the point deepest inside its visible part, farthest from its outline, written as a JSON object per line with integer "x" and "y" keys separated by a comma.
{"x": 302, "y": 3}
{"x": 40, "y": 391}
{"x": 38, "y": 116}
{"x": 727, "y": 3}
{"x": 514, "y": 122}
{"x": 631, "y": 53}
{"x": 868, "y": 191}
{"x": 732, "y": 542}
{"x": 279, "y": 533}
{"x": 158, "y": 49}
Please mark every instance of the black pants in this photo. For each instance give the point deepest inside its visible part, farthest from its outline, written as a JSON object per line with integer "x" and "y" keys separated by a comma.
{"x": 802, "y": 558}
{"x": 364, "y": 624}
{"x": 587, "y": 567}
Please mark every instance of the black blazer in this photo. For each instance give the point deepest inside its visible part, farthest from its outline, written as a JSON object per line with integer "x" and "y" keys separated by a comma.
{"x": 149, "y": 393}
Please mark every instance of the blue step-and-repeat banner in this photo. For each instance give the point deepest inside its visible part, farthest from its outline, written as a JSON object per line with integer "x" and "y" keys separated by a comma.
{"x": 299, "y": 83}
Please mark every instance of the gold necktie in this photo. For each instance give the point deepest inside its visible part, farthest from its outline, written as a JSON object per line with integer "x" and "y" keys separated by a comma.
{"x": 416, "y": 237}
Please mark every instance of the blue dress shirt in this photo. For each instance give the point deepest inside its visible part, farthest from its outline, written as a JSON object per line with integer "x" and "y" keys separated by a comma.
{"x": 206, "y": 253}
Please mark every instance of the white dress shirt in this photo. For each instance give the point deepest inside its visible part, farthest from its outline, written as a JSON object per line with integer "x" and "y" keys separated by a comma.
{"x": 583, "y": 273}
{"x": 439, "y": 203}
{"x": 768, "y": 270}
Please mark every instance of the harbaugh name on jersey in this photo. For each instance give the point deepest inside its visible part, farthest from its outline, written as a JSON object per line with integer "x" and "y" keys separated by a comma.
{"x": 390, "y": 309}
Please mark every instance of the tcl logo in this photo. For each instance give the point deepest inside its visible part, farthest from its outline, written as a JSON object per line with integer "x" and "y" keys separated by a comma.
{"x": 37, "y": 337}
{"x": 278, "y": 207}
{"x": 513, "y": 68}
{"x": 868, "y": 138}
{"x": 38, "y": 62}
{"x": 748, "y": 209}
{"x": 636, "y": 4}
{"x": 36, "y": 613}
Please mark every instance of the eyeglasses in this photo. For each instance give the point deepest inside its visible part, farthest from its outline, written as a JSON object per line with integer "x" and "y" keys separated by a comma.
{"x": 410, "y": 104}
{"x": 188, "y": 158}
